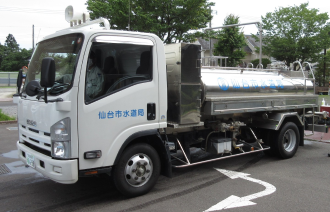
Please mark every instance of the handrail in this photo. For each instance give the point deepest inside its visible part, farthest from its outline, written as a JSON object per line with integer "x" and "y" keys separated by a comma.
{"x": 211, "y": 59}
{"x": 310, "y": 68}
{"x": 240, "y": 68}
{"x": 300, "y": 67}
{"x": 247, "y": 66}
{"x": 260, "y": 65}
{"x": 88, "y": 23}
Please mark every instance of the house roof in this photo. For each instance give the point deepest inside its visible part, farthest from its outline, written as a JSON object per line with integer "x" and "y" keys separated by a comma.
{"x": 252, "y": 41}
{"x": 247, "y": 49}
{"x": 206, "y": 44}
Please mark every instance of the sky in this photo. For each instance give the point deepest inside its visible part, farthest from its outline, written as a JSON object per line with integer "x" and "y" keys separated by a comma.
{"x": 18, "y": 16}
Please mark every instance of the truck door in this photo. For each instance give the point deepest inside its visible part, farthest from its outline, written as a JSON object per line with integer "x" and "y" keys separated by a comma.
{"x": 118, "y": 95}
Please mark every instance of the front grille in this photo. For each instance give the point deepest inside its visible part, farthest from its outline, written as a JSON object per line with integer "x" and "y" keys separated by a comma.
{"x": 47, "y": 144}
{"x": 37, "y": 138}
{"x": 34, "y": 140}
{"x": 35, "y": 148}
{"x": 33, "y": 130}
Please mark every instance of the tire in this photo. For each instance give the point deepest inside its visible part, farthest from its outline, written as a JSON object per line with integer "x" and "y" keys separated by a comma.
{"x": 137, "y": 171}
{"x": 287, "y": 141}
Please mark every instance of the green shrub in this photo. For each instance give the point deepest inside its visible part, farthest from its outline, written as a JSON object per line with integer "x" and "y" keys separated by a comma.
{"x": 265, "y": 62}
{"x": 4, "y": 117}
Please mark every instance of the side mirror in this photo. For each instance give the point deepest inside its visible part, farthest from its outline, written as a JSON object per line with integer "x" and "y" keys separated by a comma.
{"x": 32, "y": 88}
{"x": 47, "y": 72}
{"x": 19, "y": 81}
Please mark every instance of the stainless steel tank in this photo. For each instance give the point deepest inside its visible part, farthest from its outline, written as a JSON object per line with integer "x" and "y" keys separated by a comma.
{"x": 183, "y": 83}
{"x": 195, "y": 92}
{"x": 237, "y": 91}
{"x": 234, "y": 83}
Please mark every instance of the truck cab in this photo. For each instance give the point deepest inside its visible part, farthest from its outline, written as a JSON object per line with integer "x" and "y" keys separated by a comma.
{"x": 108, "y": 86}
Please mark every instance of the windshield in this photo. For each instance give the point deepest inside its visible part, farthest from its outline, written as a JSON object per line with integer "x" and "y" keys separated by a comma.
{"x": 65, "y": 51}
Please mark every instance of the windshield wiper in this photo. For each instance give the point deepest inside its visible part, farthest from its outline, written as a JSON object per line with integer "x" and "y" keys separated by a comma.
{"x": 52, "y": 100}
{"x": 58, "y": 88}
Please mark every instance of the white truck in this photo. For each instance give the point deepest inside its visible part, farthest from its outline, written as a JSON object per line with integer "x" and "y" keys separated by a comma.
{"x": 101, "y": 101}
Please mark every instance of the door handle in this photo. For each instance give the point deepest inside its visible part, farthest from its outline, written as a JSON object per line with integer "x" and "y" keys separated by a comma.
{"x": 151, "y": 111}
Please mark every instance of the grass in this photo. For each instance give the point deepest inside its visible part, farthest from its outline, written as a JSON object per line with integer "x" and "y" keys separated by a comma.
{"x": 4, "y": 117}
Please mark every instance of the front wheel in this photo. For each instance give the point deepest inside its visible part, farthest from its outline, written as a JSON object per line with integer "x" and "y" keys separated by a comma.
{"x": 287, "y": 140}
{"x": 137, "y": 171}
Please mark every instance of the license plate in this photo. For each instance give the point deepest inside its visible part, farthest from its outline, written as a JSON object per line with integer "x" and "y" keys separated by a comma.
{"x": 30, "y": 160}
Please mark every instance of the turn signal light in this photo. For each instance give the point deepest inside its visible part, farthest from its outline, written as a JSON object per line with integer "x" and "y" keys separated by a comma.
{"x": 93, "y": 154}
{"x": 90, "y": 172}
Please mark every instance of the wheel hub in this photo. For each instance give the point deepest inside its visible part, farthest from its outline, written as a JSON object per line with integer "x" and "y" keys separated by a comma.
{"x": 138, "y": 170}
{"x": 289, "y": 140}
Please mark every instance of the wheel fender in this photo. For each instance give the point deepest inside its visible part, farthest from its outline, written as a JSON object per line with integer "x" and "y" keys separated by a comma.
{"x": 297, "y": 121}
{"x": 276, "y": 120}
{"x": 153, "y": 138}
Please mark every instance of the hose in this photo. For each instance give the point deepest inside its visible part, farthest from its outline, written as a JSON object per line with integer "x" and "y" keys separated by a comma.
{"x": 207, "y": 138}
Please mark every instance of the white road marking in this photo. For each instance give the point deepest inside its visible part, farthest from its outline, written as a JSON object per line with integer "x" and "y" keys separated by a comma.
{"x": 235, "y": 201}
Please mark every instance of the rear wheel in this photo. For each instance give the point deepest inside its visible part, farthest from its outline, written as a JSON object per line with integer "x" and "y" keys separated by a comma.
{"x": 137, "y": 171}
{"x": 287, "y": 141}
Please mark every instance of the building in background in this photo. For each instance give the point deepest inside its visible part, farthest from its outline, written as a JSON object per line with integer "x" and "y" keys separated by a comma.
{"x": 250, "y": 48}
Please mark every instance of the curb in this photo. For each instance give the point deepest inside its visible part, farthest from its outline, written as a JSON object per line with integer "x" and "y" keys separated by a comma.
{"x": 8, "y": 122}
{"x": 327, "y": 141}
{"x": 6, "y": 99}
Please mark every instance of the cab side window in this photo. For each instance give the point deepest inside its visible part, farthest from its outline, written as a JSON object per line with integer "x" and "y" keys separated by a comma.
{"x": 113, "y": 67}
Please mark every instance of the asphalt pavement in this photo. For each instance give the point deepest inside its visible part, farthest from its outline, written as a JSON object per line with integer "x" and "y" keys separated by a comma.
{"x": 270, "y": 184}
{"x": 6, "y": 101}
{"x": 6, "y": 94}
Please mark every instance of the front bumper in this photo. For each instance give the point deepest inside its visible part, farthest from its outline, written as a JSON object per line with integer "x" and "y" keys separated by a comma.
{"x": 62, "y": 171}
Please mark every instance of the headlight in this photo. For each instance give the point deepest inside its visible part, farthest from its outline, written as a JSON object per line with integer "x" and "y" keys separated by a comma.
{"x": 60, "y": 134}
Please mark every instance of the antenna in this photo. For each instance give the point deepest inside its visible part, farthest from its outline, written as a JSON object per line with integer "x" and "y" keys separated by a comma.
{"x": 32, "y": 38}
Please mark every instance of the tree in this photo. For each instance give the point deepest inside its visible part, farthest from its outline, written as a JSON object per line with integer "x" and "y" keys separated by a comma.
{"x": 11, "y": 44}
{"x": 2, "y": 53}
{"x": 322, "y": 76}
{"x": 294, "y": 33}
{"x": 12, "y": 58}
{"x": 169, "y": 19}
{"x": 231, "y": 41}
{"x": 16, "y": 60}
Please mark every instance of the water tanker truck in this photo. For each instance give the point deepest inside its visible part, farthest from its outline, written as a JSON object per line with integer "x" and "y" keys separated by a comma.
{"x": 101, "y": 101}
